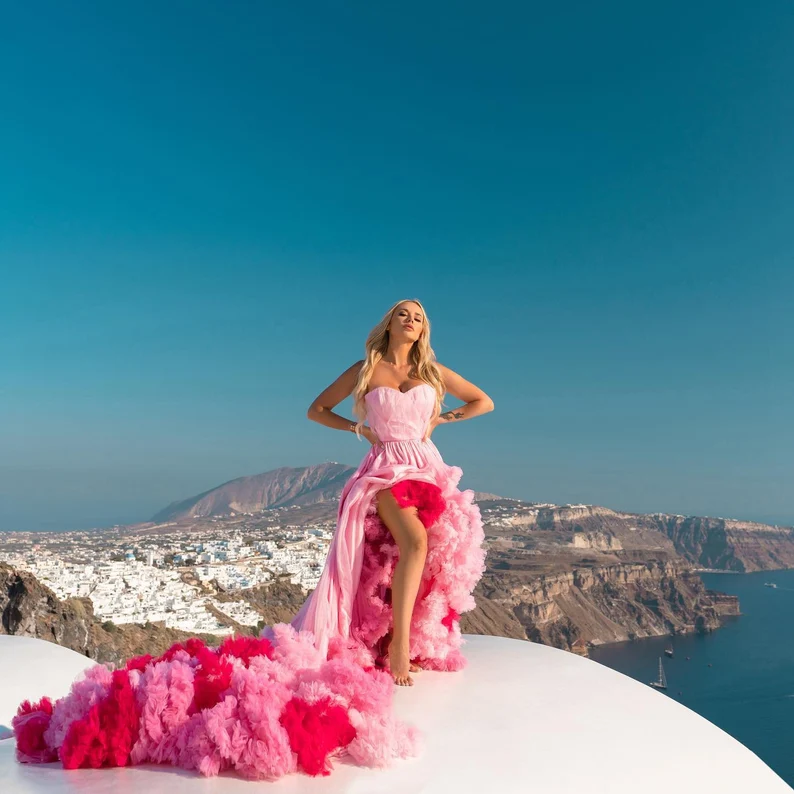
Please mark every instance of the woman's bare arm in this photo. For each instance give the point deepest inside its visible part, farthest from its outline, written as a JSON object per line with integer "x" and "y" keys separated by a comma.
{"x": 476, "y": 400}
{"x": 320, "y": 409}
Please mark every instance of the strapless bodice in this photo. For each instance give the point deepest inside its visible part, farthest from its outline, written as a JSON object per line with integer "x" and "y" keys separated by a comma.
{"x": 395, "y": 415}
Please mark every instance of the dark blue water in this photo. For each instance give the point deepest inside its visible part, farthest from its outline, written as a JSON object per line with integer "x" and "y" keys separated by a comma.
{"x": 749, "y": 689}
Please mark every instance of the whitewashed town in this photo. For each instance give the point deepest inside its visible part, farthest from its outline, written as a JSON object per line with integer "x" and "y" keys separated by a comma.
{"x": 170, "y": 576}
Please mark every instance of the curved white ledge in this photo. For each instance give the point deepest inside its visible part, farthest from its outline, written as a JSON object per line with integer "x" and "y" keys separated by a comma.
{"x": 522, "y": 717}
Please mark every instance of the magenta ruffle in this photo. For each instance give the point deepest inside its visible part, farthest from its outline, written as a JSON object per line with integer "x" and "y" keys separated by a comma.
{"x": 455, "y": 561}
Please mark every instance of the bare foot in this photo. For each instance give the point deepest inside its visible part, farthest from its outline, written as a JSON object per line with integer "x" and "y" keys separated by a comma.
{"x": 399, "y": 664}
{"x": 384, "y": 644}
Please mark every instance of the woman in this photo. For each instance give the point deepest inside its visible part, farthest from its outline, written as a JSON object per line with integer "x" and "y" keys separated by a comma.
{"x": 404, "y": 481}
{"x": 405, "y": 558}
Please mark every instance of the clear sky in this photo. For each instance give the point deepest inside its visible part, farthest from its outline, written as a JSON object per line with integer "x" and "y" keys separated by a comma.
{"x": 205, "y": 207}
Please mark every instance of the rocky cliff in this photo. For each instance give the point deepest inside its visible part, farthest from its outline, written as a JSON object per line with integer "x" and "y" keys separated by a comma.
{"x": 277, "y": 602}
{"x": 29, "y": 609}
{"x": 705, "y": 542}
{"x": 611, "y": 603}
{"x": 586, "y": 606}
{"x": 729, "y": 545}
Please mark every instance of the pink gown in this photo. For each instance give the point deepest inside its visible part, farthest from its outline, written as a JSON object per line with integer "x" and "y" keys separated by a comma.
{"x": 350, "y": 599}
{"x": 310, "y": 690}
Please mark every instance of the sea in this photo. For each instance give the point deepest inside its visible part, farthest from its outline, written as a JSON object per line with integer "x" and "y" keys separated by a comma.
{"x": 740, "y": 676}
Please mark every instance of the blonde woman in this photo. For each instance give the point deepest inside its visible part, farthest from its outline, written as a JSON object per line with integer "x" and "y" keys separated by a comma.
{"x": 405, "y": 558}
{"x": 407, "y": 551}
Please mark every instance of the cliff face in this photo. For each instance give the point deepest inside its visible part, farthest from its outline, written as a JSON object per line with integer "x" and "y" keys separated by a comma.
{"x": 611, "y": 603}
{"x": 29, "y": 609}
{"x": 277, "y": 602}
{"x": 559, "y": 517}
{"x": 717, "y": 543}
{"x": 729, "y": 545}
{"x": 492, "y": 618}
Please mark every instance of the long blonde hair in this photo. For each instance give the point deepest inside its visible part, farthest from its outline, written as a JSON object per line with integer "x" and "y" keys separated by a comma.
{"x": 421, "y": 357}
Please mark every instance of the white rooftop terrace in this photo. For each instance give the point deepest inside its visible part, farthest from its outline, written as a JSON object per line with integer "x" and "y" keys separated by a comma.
{"x": 522, "y": 717}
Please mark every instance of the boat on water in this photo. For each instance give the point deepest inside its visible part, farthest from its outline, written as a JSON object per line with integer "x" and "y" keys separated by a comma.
{"x": 661, "y": 683}
{"x": 668, "y": 651}
{"x": 769, "y": 584}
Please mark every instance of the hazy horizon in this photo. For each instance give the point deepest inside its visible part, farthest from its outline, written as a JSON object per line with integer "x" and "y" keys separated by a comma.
{"x": 204, "y": 212}
{"x": 56, "y": 528}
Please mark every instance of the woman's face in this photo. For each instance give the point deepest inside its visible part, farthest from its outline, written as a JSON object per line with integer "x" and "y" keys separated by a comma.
{"x": 407, "y": 323}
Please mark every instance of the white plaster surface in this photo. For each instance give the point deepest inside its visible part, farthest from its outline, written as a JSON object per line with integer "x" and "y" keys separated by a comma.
{"x": 522, "y": 717}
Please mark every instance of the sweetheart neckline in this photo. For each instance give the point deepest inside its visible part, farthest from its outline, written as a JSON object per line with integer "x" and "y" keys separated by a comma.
{"x": 400, "y": 391}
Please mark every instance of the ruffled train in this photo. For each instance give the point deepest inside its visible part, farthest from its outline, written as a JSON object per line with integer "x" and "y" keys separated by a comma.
{"x": 259, "y": 708}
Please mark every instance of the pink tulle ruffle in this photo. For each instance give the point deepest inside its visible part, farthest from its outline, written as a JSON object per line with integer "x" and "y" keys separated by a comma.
{"x": 261, "y": 708}
{"x": 455, "y": 562}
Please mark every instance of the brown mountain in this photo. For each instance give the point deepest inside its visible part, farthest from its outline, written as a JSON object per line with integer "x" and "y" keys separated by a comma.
{"x": 282, "y": 487}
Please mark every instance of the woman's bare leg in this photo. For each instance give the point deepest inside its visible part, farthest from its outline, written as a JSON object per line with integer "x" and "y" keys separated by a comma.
{"x": 411, "y": 537}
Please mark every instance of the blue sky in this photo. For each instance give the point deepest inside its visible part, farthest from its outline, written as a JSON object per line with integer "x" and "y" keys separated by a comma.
{"x": 205, "y": 207}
